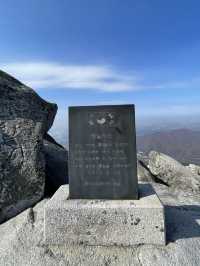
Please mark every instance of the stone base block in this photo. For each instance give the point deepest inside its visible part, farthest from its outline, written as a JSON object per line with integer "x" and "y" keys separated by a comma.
{"x": 105, "y": 222}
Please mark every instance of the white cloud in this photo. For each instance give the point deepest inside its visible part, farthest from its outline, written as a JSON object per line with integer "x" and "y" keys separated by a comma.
{"x": 53, "y": 75}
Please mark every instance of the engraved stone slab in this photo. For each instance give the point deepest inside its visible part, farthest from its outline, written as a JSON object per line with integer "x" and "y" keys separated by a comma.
{"x": 102, "y": 152}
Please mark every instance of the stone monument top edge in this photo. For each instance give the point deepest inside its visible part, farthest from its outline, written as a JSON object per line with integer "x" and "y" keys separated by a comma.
{"x": 102, "y": 105}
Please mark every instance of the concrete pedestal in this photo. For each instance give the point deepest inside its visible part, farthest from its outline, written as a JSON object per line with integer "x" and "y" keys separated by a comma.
{"x": 105, "y": 222}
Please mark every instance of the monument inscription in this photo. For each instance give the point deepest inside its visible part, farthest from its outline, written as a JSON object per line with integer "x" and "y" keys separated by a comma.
{"x": 102, "y": 152}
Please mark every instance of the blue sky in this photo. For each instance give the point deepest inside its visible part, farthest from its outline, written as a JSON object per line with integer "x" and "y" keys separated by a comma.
{"x": 80, "y": 52}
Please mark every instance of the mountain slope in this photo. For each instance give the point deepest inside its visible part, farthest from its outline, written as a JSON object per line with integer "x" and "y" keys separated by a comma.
{"x": 181, "y": 144}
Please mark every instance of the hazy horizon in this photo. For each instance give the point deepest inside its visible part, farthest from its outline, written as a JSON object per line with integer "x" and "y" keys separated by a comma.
{"x": 144, "y": 125}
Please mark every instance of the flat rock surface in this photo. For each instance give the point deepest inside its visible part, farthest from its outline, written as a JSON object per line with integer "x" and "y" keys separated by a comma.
{"x": 22, "y": 244}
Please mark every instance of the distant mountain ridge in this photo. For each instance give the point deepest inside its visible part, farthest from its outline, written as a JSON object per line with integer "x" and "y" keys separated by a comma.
{"x": 181, "y": 144}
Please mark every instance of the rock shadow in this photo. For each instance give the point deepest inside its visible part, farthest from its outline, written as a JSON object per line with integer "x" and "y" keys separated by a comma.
{"x": 182, "y": 222}
{"x": 145, "y": 190}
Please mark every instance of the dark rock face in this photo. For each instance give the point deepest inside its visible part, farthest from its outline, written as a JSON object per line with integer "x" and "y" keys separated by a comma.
{"x": 56, "y": 165}
{"x": 24, "y": 119}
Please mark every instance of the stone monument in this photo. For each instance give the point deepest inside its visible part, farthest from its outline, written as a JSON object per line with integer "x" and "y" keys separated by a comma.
{"x": 102, "y": 152}
{"x": 101, "y": 204}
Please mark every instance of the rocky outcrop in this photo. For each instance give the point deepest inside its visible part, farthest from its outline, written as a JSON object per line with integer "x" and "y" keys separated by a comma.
{"x": 24, "y": 119}
{"x": 56, "y": 158}
{"x": 22, "y": 239}
{"x": 173, "y": 181}
{"x": 195, "y": 169}
{"x": 173, "y": 173}
{"x": 21, "y": 242}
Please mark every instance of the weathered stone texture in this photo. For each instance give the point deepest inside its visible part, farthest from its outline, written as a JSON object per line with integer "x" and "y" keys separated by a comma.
{"x": 21, "y": 242}
{"x": 24, "y": 119}
{"x": 105, "y": 222}
{"x": 171, "y": 179}
{"x": 173, "y": 173}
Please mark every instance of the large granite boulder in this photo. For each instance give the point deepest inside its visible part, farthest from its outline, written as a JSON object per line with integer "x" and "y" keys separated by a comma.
{"x": 56, "y": 157}
{"x": 172, "y": 173}
{"x": 172, "y": 184}
{"x": 24, "y": 119}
